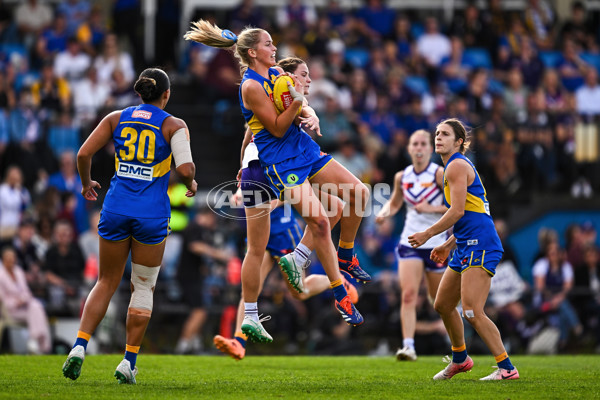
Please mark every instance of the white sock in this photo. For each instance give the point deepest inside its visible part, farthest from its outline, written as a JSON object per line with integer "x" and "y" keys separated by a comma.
{"x": 409, "y": 342}
{"x": 301, "y": 254}
{"x": 251, "y": 310}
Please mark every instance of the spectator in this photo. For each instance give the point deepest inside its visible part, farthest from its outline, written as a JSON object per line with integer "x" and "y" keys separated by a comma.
{"x": 63, "y": 134}
{"x": 64, "y": 265}
{"x": 247, "y": 14}
{"x": 72, "y": 63}
{"x": 23, "y": 245}
{"x": 530, "y": 64}
{"x": 297, "y": 13}
{"x": 14, "y": 200}
{"x": 112, "y": 59}
{"x": 571, "y": 67}
{"x": 578, "y": 28}
{"x": 454, "y": 72}
{"x": 16, "y": 299}
{"x": 334, "y": 124}
{"x": 477, "y": 95}
{"x": 555, "y": 95}
{"x": 540, "y": 18}
{"x": 54, "y": 39}
{"x": 318, "y": 37}
{"x": 88, "y": 107}
{"x": 91, "y": 32}
{"x": 433, "y": 47}
{"x": 586, "y": 291}
{"x": 67, "y": 180}
{"x": 515, "y": 97}
{"x": 322, "y": 88}
{"x": 51, "y": 93}
{"x": 553, "y": 280}
{"x": 76, "y": 11}
{"x": 376, "y": 20}
{"x": 122, "y": 94}
{"x": 32, "y": 17}
{"x": 382, "y": 120}
{"x": 469, "y": 28}
{"x": 404, "y": 38}
{"x": 353, "y": 160}
{"x": 587, "y": 97}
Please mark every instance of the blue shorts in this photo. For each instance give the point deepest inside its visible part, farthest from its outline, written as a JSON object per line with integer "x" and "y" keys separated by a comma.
{"x": 285, "y": 242}
{"x": 406, "y": 253}
{"x": 255, "y": 187}
{"x": 294, "y": 171}
{"x": 461, "y": 259}
{"x": 149, "y": 231}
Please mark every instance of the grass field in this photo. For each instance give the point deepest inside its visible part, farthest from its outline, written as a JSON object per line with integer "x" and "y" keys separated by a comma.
{"x": 262, "y": 377}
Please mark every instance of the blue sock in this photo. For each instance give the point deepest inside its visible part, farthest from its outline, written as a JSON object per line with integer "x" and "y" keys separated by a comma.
{"x": 459, "y": 357}
{"x": 241, "y": 340}
{"x": 345, "y": 254}
{"x": 131, "y": 356}
{"x": 339, "y": 291}
{"x": 81, "y": 342}
{"x": 506, "y": 364}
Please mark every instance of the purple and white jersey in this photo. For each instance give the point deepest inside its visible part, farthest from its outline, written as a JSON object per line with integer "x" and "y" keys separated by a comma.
{"x": 418, "y": 187}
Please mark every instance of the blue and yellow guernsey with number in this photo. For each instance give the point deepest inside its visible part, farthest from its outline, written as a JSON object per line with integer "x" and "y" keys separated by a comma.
{"x": 271, "y": 149}
{"x": 142, "y": 165}
{"x": 475, "y": 228}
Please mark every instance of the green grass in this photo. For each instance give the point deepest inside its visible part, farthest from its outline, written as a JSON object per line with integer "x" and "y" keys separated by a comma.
{"x": 262, "y": 377}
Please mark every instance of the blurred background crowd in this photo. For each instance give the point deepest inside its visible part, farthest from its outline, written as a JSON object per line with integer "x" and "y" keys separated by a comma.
{"x": 524, "y": 79}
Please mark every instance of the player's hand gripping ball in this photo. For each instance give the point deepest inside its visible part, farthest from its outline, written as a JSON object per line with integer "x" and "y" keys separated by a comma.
{"x": 281, "y": 94}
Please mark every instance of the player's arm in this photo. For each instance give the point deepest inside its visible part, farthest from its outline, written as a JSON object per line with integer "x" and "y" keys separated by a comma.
{"x": 308, "y": 117}
{"x": 245, "y": 143}
{"x": 393, "y": 205}
{"x": 256, "y": 100}
{"x": 457, "y": 175}
{"x": 97, "y": 140}
{"x": 424, "y": 206}
{"x": 440, "y": 253}
{"x": 177, "y": 134}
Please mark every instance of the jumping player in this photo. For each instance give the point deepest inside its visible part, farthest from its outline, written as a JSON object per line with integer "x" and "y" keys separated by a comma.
{"x": 288, "y": 156}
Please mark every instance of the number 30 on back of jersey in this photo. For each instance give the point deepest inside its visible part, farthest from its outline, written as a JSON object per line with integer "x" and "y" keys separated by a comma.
{"x": 140, "y": 147}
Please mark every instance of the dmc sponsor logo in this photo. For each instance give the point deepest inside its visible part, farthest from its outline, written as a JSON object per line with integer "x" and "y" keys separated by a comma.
{"x": 226, "y": 201}
{"x": 142, "y": 114}
{"x": 135, "y": 171}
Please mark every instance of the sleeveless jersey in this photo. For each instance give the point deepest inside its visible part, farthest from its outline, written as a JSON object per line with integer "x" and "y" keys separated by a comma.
{"x": 250, "y": 154}
{"x": 142, "y": 165}
{"x": 417, "y": 187}
{"x": 282, "y": 219}
{"x": 475, "y": 228}
{"x": 272, "y": 150}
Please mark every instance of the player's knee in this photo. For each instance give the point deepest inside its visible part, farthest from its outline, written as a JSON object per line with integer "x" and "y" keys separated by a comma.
{"x": 143, "y": 280}
{"x": 409, "y": 296}
{"x": 361, "y": 194}
{"x": 442, "y": 307}
{"x": 472, "y": 315}
{"x": 109, "y": 284}
{"x": 320, "y": 226}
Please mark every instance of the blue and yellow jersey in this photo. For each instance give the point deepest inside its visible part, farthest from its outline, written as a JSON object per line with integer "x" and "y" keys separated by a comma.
{"x": 142, "y": 165}
{"x": 272, "y": 150}
{"x": 284, "y": 218}
{"x": 476, "y": 227}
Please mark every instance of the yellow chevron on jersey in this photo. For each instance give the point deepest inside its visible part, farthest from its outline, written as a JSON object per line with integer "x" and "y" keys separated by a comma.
{"x": 255, "y": 125}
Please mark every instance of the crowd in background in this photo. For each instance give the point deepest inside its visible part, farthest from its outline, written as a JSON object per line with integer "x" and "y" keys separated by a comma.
{"x": 526, "y": 82}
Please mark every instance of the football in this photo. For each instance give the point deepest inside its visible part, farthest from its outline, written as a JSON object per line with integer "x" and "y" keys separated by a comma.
{"x": 281, "y": 94}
